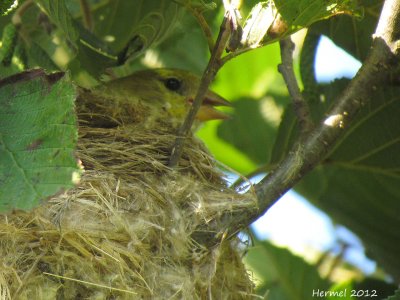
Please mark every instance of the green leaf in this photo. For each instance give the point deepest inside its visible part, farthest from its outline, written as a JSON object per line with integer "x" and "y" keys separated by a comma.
{"x": 59, "y": 14}
{"x": 37, "y": 138}
{"x": 354, "y": 35}
{"x": 358, "y": 182}
{"x": 186, "y": 47}
{"x": 8, "y": 43}
{"x": 79, "y": 41}
{"x": 340, "y": 291}
{"x": 371, "y": 288}
{"x": 286, "y": 135}
{"x": 6, "y": 6}
{"x": 146, "y": 22}
{"x": 257, "y": 137}
{"x": 223, "y": 151}
{"x": 282, "y": 274}
{"x": 302, "y": 13}
{"x": 200, "y": 5}
{"x": 272, "y": 19}
{"x": 396, "y": 296}
{"x": 41, "y": 57}
{"x": 368, "y": 288}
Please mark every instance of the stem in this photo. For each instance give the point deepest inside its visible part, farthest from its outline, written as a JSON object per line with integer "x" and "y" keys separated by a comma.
{"x": 204, "y": 26}
{"x": 234, "y": 54}
{"x": 208, "y": 76}
{"x": 300, "y": 106}
{"x": 383, "y": 58}
{"x": 17, "y": 16}
{"x": 86, "y": 15}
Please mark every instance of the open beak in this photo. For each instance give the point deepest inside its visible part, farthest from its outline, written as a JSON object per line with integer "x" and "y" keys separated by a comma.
{"x": 208, "y": 112}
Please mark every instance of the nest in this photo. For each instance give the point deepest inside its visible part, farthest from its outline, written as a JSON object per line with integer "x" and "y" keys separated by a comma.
{"x": 125, "y": 232}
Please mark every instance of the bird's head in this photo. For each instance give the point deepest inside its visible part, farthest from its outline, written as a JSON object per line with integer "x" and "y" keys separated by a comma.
{"x": 165, "y": 93}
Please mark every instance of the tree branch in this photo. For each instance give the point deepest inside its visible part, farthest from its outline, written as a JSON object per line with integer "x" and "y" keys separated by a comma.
{"x": 300, "y": 106}
{"x": 383, "y": 58}
{"x": 86, "y": 15}
{"x": 204, "y": 27}
{"x": 208, "y": 76}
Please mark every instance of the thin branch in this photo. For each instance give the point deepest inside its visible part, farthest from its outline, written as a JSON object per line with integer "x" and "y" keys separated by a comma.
{"x": 300, "y": 106}
{"x": 204, "y": 27}
{"x": 17, "y": 16}
{"x": 383, "y": 57}
{"x": 208, "y": 76}
{"x": 235, "y": 53}
{"x": 86, "y": 15}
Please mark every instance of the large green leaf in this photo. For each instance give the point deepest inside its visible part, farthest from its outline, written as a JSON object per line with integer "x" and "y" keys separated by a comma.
{"x": 354, "y": 35}
{"x": 118, "y": 31}
{"x": 283, "y": 275}
{"x": 302, "y": 13}
{"x": 362, "y": 177}
{"x": 146, "y": 22}
{"x": 358, "y": 182}
{"x": 371, "y": 288}
{"x": 59, "y": 15}
{"x": 396, "y": 296}
{"x": 254, "y": 138}
{"x": 6, "y": 6}
{"x": 37, "y": 138}
{"x": 272, "y": 19}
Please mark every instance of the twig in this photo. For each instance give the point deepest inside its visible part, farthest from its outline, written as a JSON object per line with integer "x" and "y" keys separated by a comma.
{"x": 300, "y": 106}
{"x": 383, "y": 57}
{"x": 86, "y": 15}
{"x": 17, "y": 16}
{"x": 204, "y": 26}
{"x": 207, "y": 78}
{"x": 235, "y": 53}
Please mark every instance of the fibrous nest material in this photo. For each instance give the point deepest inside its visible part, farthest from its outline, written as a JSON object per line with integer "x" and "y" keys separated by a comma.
{"x": 125, "y": 232}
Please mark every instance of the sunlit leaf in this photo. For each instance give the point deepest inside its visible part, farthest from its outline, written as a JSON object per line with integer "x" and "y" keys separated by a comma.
{"x": 354, "y": 35}
{"x": 6, "y": 6}
{"x": 272, "y": 19}
{"x": 37, "y": 138}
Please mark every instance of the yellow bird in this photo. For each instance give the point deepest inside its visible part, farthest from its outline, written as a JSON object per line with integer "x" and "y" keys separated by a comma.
{"x": 154, "y": 97}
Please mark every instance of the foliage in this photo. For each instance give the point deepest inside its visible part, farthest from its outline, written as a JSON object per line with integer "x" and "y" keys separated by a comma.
{"x": 37, "y": 139}
{"x": 356, "y": 184}
{"x": 287, "y": 276}
{"x": 396, "y": 296}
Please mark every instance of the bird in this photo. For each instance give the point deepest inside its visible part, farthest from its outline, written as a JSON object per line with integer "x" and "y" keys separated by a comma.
{"x": 130, "y": 209}
{"x": 151, "y": 97}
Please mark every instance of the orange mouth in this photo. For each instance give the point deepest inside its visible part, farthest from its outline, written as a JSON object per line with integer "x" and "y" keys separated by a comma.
{"x": 207, "y": 111}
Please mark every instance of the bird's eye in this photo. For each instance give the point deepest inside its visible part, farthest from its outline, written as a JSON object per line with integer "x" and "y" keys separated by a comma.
{"x": 173, "y": 84}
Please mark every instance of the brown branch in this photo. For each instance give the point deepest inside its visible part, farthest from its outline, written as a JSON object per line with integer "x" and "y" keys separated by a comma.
{"x": 17, "y": 16}
{"x": 235, "y": 53}
{"x": 383, "y": 57}
{"x": 204, "y": 27}
{"x": 86, "y": 15}
{"x": 300, "y": 106}
{"x": 208, "y": 76}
